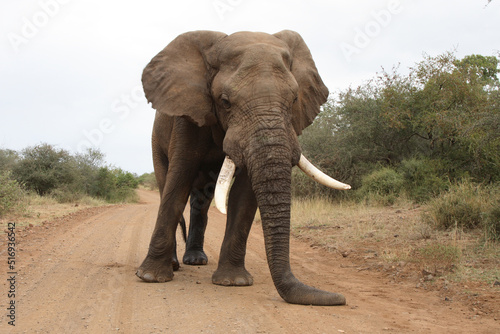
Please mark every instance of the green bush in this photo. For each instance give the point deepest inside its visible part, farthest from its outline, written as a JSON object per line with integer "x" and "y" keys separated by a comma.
{"x": 65, "y": 195}
{"x": 492, "y": 222}
{"x": 148, "y": 180}
{"x": 443, "y": 117}
{"x": 126, "y": 180}
{"x": 115, "y": 185}
{"x": 383, "y": 186}
{"x": 421, "y": 179}
{"x": 462, "y": 207}
{"x": 88, "y": 165}
{"x": 104, "y": 184}
{"x": 126, "y": 183}
{"x": 467, "y": 206}
{"x": 302, "y": 185}
{"x": 8, "y": 159}
{"x": 11, "y": 194}
{"x": 44, "y": 168}
{"x": 49, "y": 171}
{"x": 127, "y": 195}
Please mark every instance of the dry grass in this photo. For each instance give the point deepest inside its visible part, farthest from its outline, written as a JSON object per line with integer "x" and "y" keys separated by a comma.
{"x": 395, "y": 237}
{"x": 39, "y": 209}
{"x": 352, "y": 222}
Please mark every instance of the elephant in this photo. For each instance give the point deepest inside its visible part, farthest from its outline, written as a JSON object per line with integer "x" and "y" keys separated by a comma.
{"x": 242, "y": 100}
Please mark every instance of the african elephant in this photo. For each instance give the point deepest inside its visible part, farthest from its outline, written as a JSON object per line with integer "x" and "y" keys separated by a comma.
{"x": 246, "y": 96}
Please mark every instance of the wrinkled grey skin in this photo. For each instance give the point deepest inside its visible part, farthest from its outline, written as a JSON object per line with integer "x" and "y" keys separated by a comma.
{"x": 246, "y": 95}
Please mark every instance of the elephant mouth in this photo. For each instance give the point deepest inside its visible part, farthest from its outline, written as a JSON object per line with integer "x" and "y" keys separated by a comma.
{"x": 228, "y": 168}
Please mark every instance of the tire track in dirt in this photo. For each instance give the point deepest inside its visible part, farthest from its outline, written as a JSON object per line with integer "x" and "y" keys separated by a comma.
{"x": 79, "y": 272}
{"x": 103, "y": 268}
{"x": 131, "y": 242}
{"x": 77, "y": 275}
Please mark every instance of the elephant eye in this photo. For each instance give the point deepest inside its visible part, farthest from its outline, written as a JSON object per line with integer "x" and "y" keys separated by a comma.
{"x": 225, "y": 103}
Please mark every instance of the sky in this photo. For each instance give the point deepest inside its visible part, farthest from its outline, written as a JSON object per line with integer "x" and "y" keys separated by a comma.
{"x": 70, "y": 70}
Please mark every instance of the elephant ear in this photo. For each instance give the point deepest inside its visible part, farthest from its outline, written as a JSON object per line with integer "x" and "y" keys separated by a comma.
{"x": 312, "y": 91}
{"x": 176, "y": 80}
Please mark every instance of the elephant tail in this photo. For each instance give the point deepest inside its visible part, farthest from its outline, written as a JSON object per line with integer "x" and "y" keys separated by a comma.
{"x": 182, "y": 222}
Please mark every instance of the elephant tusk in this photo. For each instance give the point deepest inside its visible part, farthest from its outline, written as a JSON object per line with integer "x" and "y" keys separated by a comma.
{"x": 320, "y": 177}
{"x": 223, "y": 182}
{"x": 228, "y": 168}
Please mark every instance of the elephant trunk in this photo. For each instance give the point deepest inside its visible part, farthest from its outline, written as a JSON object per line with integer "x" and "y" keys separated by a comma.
{"x": 270, "y": 174}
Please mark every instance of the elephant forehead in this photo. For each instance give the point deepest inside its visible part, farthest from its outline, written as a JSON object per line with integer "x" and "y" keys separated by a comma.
{"x": 246, "y": 37}
{"x": 247, "y": 44}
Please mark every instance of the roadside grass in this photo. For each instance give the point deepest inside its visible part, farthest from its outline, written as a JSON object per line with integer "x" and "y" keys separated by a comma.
{"x": 480, "y": 262}
{"x": 397, "y": 237}
{"x": 37, "y": 209}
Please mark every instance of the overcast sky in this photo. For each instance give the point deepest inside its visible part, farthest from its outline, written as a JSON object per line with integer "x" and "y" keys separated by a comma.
{"x": 70, "y": 69}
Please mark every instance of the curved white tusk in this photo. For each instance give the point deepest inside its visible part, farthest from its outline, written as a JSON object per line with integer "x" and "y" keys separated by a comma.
{"x": 320, "y": 177}
{"x": 223, "y": 182}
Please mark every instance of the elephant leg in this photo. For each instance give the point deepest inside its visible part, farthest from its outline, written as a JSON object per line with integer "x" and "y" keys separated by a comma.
{"x": 160, "y": 162}
{"x": 201, "y": 197}
{"x": 161, "y": 260}
{"x": 242, "y": 206}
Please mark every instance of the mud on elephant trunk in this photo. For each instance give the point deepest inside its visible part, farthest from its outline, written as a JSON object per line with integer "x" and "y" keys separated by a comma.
{"x": 272, "y": 189}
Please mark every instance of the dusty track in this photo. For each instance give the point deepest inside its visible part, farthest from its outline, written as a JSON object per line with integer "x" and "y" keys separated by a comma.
{"x": 77, "y": 275}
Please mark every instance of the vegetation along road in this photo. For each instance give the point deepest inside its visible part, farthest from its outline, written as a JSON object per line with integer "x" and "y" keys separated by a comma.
{"x": 76, "y": 275}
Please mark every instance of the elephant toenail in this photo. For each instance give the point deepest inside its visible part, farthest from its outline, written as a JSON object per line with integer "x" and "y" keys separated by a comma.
{"x": 148, "y": 277}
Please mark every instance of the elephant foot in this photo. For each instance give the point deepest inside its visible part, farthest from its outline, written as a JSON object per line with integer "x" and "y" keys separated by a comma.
{"x": 156, "y": 270}
{"x": 175, "y": 263}
{"x": 233, "y": 276}
{"x": 195, "y": 257}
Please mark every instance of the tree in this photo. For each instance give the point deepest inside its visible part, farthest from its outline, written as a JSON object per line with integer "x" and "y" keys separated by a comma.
{"x": 88, "y": 165}
{"x": 105, "y": 185}
{"x": 445, "y": 112}
{"x": 11, "y": 194}
{"x": 148, "y": 180}
{"x": 115, "y": 185}
{"x": 126, "y": 179}
{"x": 43, "y": 168}
{"x": 8, "y": 159}
{"x": 454, "y": 110}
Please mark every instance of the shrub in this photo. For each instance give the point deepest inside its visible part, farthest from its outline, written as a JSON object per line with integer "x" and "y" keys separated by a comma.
{"x": 462, "y": 206}
{"x": 65, "y": 195}
{"x": 115, "y": 185}
{"x": 148, "y": 180}
{"x": 127, "y": 195}
{"x": 492, "y": 222}
{"x": 104, "y": 185}
{"x": 421, "y": 180}
{"x": 88, "y": 165}
{"x": 382, "y": 186}
{"x": 44, "y": 168}
{"x": 302, "y": 185}
{"x": 438, "y": 257}
{"x": 11, "y": 194}
{"x": 126, "y": 180}
{"x": 8, "y": 159}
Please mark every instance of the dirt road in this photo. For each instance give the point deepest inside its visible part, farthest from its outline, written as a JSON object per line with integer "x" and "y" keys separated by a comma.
{"x": 76, "y": 275}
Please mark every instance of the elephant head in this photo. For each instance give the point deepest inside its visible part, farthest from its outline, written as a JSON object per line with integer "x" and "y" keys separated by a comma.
{"x": 258, "y": 91}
